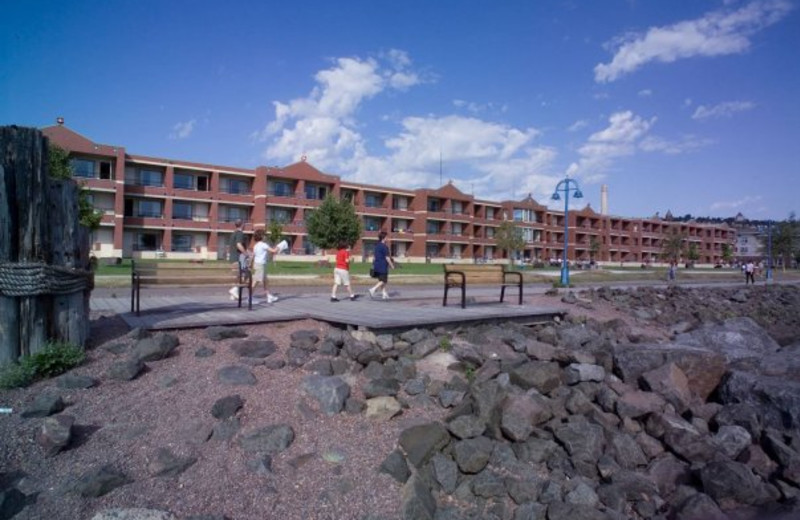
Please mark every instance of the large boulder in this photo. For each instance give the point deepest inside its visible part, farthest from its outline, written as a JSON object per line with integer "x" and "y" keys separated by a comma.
{"x": 735, "y": 338}
{"x": 331, "y": 392}
{"x": 420, "y": 442}
{"x": 703, "y": 368}
{"x": 776, "y": 399}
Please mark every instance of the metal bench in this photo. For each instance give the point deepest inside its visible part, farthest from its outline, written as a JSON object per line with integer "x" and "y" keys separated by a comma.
{"x": 189, "y": 274}
{"x": 459, "y": 275}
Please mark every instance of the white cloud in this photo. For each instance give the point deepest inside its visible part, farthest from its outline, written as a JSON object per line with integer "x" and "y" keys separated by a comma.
{"x": 618, "y": 139}
{"x": 735, "y": 204}
{"x": 726, "y": 109}
{"x": 687, "y": 143}
{"x": 493, "y": 159}
{"x": 645, "y": 93}
{"x": 577, "y": 125}
{"x": 182, "y": 130}
{"x": 687, "y": 102}
{"x": 716, "y": 33}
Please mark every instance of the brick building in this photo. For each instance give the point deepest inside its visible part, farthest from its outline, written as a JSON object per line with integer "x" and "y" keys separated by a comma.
{"x": 179, "y": 209}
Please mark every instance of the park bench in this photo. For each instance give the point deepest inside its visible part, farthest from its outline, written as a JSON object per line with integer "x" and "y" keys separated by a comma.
{"x": 459, "y": 275}
{"x": 189, "y": 274}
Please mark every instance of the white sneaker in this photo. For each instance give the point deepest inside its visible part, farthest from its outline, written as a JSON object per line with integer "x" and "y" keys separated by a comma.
{"x": 385, "y": 296}
{"x": 234, "y": 293}
{"x": 372, "y": 292}
{"x": 272, "y": 299}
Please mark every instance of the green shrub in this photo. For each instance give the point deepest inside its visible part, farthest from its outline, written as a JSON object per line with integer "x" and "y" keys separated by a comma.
{"x": 14, "y": 375}
{"x": 444, "y": 344}
{"x": 56, "y": 358}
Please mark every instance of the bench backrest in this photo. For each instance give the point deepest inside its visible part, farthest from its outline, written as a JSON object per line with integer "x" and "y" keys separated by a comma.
{"x": 190, "y": 273}
{"x": 478, "y": 273}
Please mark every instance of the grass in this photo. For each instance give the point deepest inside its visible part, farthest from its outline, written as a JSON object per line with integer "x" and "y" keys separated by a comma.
{"x": 56, "y": 358}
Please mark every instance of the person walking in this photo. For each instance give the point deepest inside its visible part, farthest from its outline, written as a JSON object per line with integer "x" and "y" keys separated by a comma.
{"x": 261, "y": 252}
{"x": 672, "y": 271}
{"x": 238, "y": 254}
{"x": 341, "y": 273}
{"x": 380, "y": 266}
{"x": 750, "y": 273}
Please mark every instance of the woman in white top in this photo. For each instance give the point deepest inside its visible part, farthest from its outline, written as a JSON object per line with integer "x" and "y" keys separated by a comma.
{"x": 260, "y": 256}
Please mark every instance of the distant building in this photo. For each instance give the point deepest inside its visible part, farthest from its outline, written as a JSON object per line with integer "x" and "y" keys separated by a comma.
{"x": 155, "y": 207}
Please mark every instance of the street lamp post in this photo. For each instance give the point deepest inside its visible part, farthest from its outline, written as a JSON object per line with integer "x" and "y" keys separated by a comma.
{"x": 769, "y": 251}
{"x": 566, "y": 186}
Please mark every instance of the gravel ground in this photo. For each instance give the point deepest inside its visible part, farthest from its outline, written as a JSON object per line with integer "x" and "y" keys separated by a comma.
{"x": 328, "y": 472}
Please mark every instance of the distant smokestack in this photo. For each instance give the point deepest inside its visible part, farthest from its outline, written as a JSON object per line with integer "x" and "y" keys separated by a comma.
{"x": 604, "y": 199}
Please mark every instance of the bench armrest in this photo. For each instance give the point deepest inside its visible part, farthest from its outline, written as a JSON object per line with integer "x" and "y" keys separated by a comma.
{"x": 448, "y": 274}
{"x": 512, "y": 273}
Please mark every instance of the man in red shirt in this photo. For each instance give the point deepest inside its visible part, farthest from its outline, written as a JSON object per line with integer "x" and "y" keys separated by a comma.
{"x": 341, "y": 273}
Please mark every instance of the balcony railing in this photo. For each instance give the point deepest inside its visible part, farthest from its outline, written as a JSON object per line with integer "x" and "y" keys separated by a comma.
{"x": 281, "y": 193}
{"x": 236, "y": 191}
{"x": 148, "y": 214}
{"x": 145, "y": 182}
{"x": 233, "y": 219}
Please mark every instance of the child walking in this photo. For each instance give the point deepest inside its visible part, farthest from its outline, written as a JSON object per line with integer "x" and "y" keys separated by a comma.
{"x": 341, "y": 273}
{"x": 260, "y": 257}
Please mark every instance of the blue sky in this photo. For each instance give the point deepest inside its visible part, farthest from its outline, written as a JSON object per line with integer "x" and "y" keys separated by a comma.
{"x": 686, "y": 105}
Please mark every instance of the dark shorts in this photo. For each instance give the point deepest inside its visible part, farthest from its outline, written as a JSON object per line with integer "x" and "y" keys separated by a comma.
{"x": 383, "y": 277}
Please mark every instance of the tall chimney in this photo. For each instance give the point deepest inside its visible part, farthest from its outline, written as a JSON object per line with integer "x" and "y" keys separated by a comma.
{"x": 604, "y": 199}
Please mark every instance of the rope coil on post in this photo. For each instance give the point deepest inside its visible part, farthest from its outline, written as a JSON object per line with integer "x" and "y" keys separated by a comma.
{"x": 34, "y": 279}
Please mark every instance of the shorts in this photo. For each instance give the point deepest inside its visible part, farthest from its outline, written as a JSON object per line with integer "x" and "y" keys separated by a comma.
{"x": 341, "y": 276}
{"x": 260, "y": 273}
{"x": 382, "y": 277}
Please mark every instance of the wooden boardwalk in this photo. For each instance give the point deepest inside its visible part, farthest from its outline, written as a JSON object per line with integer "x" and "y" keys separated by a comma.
{"x": 179, "y": 312}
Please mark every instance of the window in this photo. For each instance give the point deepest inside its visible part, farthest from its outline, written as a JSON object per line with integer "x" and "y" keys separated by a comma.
{"x": 458, "y": 207}
{"x": 399, "y": 202}
{"x": 490, "y": 232}
{"x": 149, "y": 209}
{"x": 373, "y": 200}
{"x": 432, "y": 250}
{"x": 82, "y": 168}
{"x": 281, "y": 189}
{"x": 147, "y": 242}
{"x": 456, "y": 229}
{"x": 372, "y": 224}
{"x": 182, "y": 243}
{"x": 183, "y": 181}
{"x": 236, "y": 186}
{"x": 150, "y": 178}
{"x": 434, "y": 205}
{"x": 432, "y": 228}
{"x": 280, "y": 215}
{"x": 232, "y": 214}
{"x": 105, "y": 170}
{"x": 182, "y": 210}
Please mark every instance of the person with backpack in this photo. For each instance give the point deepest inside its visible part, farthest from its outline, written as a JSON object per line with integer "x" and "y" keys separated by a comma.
{"x": 380, "y": 266}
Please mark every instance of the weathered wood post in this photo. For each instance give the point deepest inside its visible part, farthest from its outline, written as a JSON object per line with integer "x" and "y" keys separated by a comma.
{"x": 44, "y": 267}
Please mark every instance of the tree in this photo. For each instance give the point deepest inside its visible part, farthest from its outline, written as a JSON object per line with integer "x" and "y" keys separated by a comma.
{"x": 672, "y": 247}
{"x": 692, "y": 254}
{"x": 333, "y": 222}
{"x": 509, "y": 238}
{"x": 594, "y": 247}
{"x": 274, "y": 232}
{"x": 60, "y": 168}
{"x": 727, "y": 253}
{"x": 785, "y": 240}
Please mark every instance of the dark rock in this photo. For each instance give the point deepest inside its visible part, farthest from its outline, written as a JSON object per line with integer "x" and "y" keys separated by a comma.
{"x": 450, "y": 398}
{"x": 445, "y": 470}
{"x": 45, "y": 404}
{"x": 489, "y": 397}
{"x": 395, "y": 466}
{"x": 320, "y": 367}
{"x": 297, "y": 357}
{"x": 573, "y": 336}
{"x": 218, "y": 333}
{"x": 226, "y": 429}
{"x": 55, "y": 433}
{"x": 700, "y": 507}
{"x": 254, "y": 348}
{"x": 414, "y": 335}
{"x": 552, "y": 491}
{"x": 417, "y": 501}
{"x": 74, "y": 381}
{"x": 562, "y": 511}
{"x": 269, "y": 439}
{"x": 731, "y": 440}
{"x": 703, "y": 368}
{"x": 582, "y": 494}
{"x": 167, "y": 464}
{"x": 583, "y": 441}
{"x": 227, "y": 406}
{"x": 378, "y": 387}
{"x": 540, "y": 351}
{"x": 626, "y": 450}
{"x": 305, "y": 340}
{"x": 414, "y": 386}
{"x": 466, "y": 426}
{"x": 488, "y": 484}
{"x": 578, "y": 372}
{"x": 155, "y": 348}
{"x": 778, "y": 400}
{"x": 671, "y": 383}
{"x": 745, "y": 415}
{"x": 362, "y": 351}
{"x": 274, "y": 363}
{"x": 116, "y": 348}
{"x": 12, "y": 501}
{"x": 530, "y": 511}
{"x": 680, "y": 437}
{"x": 636, "y": 403}
{"x": 261, "y": 465}
{"x": 541, "y": 375}
{"x": 236, "y": 375}
{"x": 730, "y": 482}
{"x": 420, "y": 442}
{"x": 125, "y": 370}
{"x": 97, "y": 482}
{"x": 735, "y": 338}
{"x": 472, "y": 455}
{"x": 328, "y": 348}
{"x": 422, "y": 348}
{"x": 354, "y": 406}
{"x": 330, "y": 392}
{"x": 204, "y": 352}
{"x": 667, "y": 472}
{"x": 520, "y": 413}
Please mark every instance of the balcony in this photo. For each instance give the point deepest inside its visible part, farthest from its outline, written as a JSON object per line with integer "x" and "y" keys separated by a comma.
{"x": 233, "y": 218}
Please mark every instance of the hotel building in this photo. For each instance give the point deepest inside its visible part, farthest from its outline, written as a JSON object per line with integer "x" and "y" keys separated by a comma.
{"x": 154, "y": 207}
